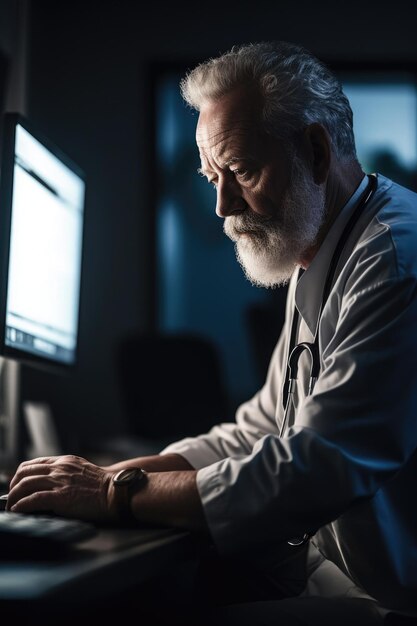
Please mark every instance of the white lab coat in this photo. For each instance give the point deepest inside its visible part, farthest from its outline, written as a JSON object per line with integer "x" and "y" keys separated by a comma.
{"x": 347, "y": 466}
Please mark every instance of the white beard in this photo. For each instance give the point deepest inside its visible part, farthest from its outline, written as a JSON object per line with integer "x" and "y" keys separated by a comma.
{"x": 273, "y": 247}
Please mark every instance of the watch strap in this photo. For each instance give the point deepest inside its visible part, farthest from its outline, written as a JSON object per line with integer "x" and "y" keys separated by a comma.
{"x": 125, "y": 484}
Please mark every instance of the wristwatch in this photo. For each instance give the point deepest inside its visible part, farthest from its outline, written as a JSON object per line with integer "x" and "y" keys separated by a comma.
{"x": 126, "y": 482}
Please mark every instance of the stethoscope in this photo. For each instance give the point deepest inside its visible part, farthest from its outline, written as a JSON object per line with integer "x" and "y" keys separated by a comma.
{"x": 313, "y": 348}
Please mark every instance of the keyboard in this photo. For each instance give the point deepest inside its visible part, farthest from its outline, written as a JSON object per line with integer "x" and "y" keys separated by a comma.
{"x": 39, "y": 535}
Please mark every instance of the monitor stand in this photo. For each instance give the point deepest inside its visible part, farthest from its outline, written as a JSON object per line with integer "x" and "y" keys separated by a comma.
{"x": 9, "y": 417}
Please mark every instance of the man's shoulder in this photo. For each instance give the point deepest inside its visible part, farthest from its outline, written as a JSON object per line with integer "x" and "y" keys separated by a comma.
{"x": 390, "y": 239}
{"x": 394, "y": 201}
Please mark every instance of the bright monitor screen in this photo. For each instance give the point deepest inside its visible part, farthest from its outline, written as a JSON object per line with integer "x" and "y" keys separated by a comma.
{"x": 42, "y": 214}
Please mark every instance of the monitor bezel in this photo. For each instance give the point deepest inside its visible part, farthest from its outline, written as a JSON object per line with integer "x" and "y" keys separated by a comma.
{"x": 7, "y": 153}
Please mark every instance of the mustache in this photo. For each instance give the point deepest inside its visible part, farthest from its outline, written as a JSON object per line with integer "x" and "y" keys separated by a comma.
{"x": 248, "y": 219}
{"x": 248, "y": 224}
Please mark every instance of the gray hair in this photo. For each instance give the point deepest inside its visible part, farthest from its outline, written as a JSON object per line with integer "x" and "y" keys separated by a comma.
{"x": 297, "y": 90}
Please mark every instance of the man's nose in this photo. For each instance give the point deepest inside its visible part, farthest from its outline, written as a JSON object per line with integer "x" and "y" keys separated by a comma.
{"x": 229, "y": 199}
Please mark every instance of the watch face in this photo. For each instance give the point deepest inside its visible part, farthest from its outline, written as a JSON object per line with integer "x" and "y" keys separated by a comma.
{"x": 127, "y": 475}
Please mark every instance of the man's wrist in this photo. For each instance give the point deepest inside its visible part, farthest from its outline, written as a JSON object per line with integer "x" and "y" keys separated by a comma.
{"x": 123, "y": 485}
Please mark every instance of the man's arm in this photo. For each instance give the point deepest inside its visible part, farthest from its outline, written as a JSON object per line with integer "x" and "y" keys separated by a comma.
{"x": 170, "y": 499}
{"x": 254, "y": 419}
{"x": 71, "y": 486}
{"x": 170, "y": 496}
{"x": 154, "y": 463}
{"x": 351, "y": 435}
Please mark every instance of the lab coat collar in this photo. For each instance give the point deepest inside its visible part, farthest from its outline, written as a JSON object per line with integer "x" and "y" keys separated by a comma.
{"x": 310, "y": 286}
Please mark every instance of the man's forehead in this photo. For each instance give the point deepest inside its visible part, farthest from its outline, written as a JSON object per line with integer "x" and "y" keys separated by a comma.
{"x": 227, "y": 143}
{"x": 238, "y": 110}
{"x": 212, "y": 133}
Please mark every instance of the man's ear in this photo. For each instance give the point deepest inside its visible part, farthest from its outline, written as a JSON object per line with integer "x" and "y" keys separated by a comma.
{"x": 318, "y": 146}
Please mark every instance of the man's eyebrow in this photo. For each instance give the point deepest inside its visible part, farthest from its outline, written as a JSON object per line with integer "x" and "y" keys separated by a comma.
{"x": 203, "y": 172}
{"x": 231, "y": 161}
{"x": 238, "y": 159}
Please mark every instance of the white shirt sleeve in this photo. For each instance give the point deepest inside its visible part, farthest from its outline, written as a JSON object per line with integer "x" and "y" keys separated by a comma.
{"x": 254, "y": 419}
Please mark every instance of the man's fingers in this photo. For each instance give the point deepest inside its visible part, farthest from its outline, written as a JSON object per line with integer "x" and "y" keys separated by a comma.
{"x": 40, "y": 459}
{"x": 27, "y": 487}
{"x": 32, "y": 468}
{"x": 39, "y": 501}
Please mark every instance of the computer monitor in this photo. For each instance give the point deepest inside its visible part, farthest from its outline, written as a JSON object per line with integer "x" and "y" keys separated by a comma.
{"x": 41, "y": 231}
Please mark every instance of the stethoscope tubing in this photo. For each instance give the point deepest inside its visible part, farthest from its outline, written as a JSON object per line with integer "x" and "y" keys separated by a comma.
{"x": 312, "y": 348}
{"x": 295, "y": 350}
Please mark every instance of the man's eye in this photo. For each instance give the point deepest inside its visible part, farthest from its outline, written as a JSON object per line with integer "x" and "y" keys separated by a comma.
{"x": 243, "y": 174}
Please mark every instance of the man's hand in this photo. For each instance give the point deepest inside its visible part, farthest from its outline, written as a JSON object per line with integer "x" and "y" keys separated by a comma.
{"x": 66, "y": 485}
{"x": 73, "y": 487}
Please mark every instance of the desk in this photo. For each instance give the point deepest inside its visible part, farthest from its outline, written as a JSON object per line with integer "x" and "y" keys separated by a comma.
{"x": 95, "y": 570}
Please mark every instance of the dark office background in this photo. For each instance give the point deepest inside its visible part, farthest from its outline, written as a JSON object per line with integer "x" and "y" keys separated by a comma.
{"x": 88, "y": 79}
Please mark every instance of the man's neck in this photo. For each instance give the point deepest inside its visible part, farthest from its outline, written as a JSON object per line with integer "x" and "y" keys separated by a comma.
{"x": 340, "y": 186}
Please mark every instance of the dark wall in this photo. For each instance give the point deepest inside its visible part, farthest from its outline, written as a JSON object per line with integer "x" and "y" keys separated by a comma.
{"x": 8, "y": 22}
{"x": 89, "y": 91}
{"x": 3, "y": 79}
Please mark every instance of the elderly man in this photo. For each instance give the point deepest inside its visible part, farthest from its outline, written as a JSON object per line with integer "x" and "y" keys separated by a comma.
{"x": 324, "y": 455}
